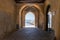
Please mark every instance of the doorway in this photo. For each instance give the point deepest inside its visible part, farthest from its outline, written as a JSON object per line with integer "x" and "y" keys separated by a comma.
{"x": 29, "y": 20}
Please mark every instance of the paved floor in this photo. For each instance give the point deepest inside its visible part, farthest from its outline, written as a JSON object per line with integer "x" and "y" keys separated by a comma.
{"x": 29, "y": 34}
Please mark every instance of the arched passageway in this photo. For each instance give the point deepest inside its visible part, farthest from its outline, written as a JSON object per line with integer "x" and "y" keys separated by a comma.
{"x": 36, "y": 11}
{"x": 30, "y": 13}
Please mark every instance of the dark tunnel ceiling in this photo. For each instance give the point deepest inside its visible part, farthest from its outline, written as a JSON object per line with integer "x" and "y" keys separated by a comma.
{"x": 30, "y": 1}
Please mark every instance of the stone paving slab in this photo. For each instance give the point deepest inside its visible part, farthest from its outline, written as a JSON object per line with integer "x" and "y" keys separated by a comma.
{"x": 30, "y": 34}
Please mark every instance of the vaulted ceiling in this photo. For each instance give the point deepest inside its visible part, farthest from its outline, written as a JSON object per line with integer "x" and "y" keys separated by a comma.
{"x": 30, "y": 1}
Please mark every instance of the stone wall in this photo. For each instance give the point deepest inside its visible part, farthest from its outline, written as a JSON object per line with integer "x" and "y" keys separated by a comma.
{"x": 7, "y": 22}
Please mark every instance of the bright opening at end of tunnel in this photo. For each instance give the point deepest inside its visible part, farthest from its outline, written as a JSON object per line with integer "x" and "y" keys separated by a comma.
{"x": 30, "y": 20}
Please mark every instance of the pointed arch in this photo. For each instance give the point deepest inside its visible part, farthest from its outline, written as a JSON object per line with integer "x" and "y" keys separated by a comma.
{"x": 29, "y": 5}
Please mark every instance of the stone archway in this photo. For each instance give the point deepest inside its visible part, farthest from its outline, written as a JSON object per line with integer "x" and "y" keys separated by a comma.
{"x": 36, "y": 10}
{"x": 31, "y": 9}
